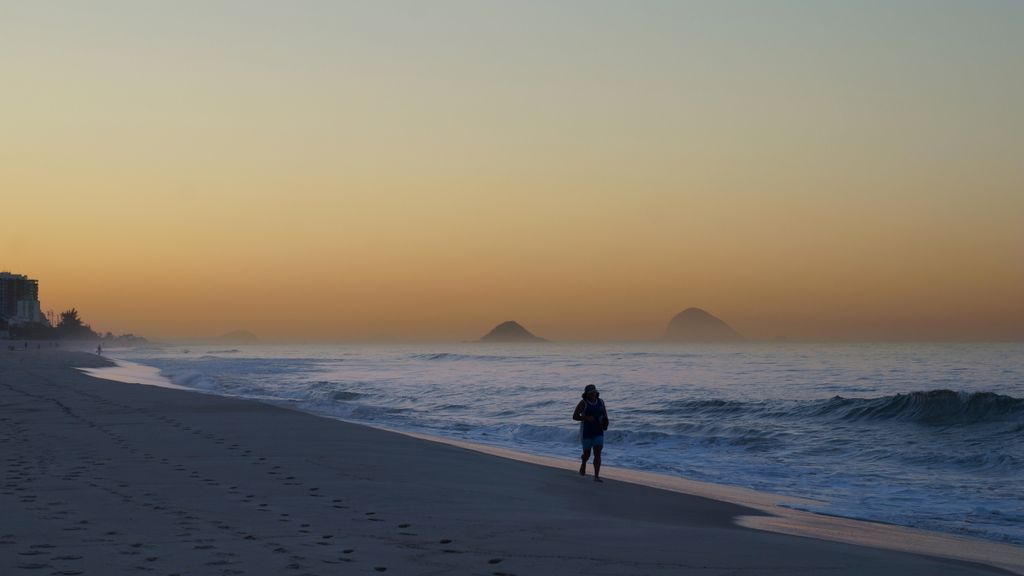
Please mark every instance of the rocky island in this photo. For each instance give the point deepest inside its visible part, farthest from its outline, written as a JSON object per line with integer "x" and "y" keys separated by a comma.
{"x": 511, "y": 331}
{"x": 696, "y": 325}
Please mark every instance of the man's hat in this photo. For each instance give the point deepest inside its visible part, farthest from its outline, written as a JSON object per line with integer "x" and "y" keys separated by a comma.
{"x": 590, "y": 388}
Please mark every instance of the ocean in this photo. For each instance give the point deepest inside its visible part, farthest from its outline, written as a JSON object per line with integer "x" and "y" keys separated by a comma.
{"x": 923, "y": 435}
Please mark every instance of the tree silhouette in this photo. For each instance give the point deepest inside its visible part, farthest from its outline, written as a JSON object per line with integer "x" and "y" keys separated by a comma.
{"x": 71, "y": 326}
{"x": 69, "y": 320}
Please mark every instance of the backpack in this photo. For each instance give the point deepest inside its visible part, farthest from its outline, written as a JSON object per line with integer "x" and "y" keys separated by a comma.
{"x": 604, "y": 417}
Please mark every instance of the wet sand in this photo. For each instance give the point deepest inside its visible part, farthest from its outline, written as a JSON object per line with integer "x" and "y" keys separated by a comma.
{"x": 100, "y": 477}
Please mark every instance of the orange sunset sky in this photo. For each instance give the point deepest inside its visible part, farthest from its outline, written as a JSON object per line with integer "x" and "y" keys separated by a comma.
{"x": 424, "y": 170}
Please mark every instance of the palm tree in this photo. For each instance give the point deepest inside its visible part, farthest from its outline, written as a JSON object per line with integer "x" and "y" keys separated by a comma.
{"x": 69, "y": 321}
{"x": 71, "y": 326}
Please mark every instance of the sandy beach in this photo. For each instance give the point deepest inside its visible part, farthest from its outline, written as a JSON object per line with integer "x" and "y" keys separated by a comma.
{"x": 100, "y": 477}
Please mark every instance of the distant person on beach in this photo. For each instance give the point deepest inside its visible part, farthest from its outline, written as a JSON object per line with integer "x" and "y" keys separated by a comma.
{"x": 99, "y": 349}
{"x": 593, "y": 419}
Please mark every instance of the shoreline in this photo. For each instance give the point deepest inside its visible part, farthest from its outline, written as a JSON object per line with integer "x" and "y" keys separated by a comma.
{"x": 783, "y": 519}
{"x": 781, "y": 513}
{"x": 215, "y": 467}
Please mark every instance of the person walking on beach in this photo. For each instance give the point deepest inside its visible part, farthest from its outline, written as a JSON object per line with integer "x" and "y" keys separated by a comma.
{"x": 593, "y": 419}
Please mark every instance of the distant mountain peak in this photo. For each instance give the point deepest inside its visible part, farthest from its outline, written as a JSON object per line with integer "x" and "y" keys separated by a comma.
{"x": 698, "y": 325}
{"x": 510, "y": 331}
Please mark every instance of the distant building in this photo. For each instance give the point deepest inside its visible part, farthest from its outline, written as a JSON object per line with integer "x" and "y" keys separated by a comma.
{"x": 19, "y": 299}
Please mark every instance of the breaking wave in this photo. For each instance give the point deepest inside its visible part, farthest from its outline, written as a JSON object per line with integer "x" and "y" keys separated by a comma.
{"x": 934, "y": 407}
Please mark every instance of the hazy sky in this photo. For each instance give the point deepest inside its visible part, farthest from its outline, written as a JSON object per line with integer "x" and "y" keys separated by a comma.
{"x": 802, "y": 169}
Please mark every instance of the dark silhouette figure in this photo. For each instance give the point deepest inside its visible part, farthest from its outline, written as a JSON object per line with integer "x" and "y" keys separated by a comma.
{"x": 593, "y": 419}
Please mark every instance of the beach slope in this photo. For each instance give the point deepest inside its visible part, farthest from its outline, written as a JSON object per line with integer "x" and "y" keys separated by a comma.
{"x": 104, "y": 478}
